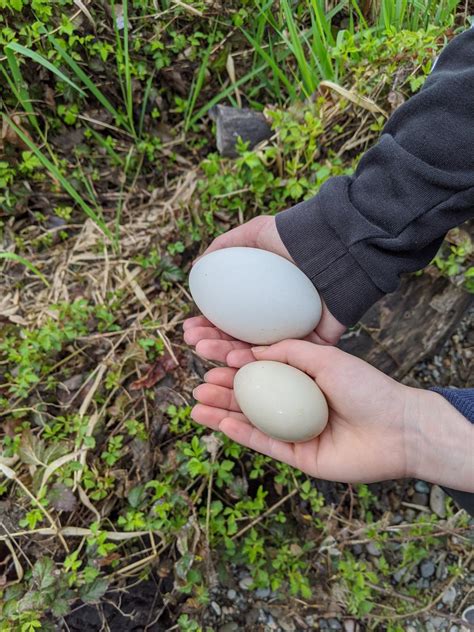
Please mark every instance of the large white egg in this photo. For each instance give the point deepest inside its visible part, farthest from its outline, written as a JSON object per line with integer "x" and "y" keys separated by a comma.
{"x": 255, "y": 295}
{"x": 281, "y": 401}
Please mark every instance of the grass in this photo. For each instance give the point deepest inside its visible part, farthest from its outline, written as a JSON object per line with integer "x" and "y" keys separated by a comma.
{"x": 99, "y": 458}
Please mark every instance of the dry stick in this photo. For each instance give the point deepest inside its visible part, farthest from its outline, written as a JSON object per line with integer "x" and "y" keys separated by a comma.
{"x": 264, "y": 515}
{"x": 11, "y": 474}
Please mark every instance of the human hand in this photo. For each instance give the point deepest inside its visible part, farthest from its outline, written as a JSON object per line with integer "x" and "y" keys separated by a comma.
{"x": 377, "y": 430}
{"x": 214, "y": 344}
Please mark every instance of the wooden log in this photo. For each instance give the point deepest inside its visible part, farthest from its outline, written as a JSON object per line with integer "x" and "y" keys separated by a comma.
{"x": 233, "y": 123}
{"x": 408, "y": 325}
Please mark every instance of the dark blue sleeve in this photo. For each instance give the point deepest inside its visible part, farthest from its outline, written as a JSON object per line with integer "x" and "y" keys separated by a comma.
{"x": 463, "y": 401}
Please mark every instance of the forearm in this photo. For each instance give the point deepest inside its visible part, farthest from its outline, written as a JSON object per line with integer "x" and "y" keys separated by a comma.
{"x": 358, "y": 235}
{"x": 440, "y": 441}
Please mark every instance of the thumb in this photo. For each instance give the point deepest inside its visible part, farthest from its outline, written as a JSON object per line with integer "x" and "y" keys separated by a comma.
{"x": 303, "y": 355}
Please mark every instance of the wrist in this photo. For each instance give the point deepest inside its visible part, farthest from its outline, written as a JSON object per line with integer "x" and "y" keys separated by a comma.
{"x": 439, "y": 441}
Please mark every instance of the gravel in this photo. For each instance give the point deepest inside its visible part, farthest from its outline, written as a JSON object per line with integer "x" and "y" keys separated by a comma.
{"x": 449, "y": 596}
{"x": 437, "y": 501}
{"x": 427, "y": 569}
{"x": 422, "y": 487}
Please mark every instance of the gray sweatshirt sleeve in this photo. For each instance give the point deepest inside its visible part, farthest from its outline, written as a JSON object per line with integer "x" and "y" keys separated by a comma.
{"x": 359, "y": 233}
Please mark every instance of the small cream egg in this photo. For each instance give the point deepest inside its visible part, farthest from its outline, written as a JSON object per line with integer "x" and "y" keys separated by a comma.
{"x": 281, "y": 401}
{"x": 255, "y": 295}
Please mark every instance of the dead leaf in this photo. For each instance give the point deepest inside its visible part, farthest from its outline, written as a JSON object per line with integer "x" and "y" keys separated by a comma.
{"x": 10, "y": 137}
{"x": 165, "y": 364}
{"x": 326, "y": 87}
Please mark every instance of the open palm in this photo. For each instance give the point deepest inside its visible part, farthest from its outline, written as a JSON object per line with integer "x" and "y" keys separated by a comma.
{"x": 364, "y": 440}
{"x": 214, "y": 344}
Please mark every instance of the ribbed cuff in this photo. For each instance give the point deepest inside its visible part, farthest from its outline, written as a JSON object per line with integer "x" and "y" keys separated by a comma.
{"x": 317, "y": 250}
{"x": 461, "y": 398}
{"x": 463, "y": 401}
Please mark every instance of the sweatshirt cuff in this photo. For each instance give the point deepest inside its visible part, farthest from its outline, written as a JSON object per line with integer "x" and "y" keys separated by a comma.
{"x": 317, "y": 250}
{"x": 463, "y": 401}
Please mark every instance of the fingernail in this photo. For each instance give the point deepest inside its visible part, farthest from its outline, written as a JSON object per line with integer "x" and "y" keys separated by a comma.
{"x": 194, "y": 392}
{"x": 258, "y": 349}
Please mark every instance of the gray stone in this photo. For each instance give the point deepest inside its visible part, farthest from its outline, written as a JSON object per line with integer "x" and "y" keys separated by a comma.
{"x": 287, "y": 625}
{"x": 438, "y": 501}
{"x": 231, "y": 594}
{"x": 436, "y": 624}
{"x": 468, "y": 615}
{"x": 454, "y": 628}
{"x": 449, "y": 596}
{"x": 334, "y": 624}
{"x": 232, "y": 626}
{"x": 373, "y": 549}
{"x": 357, "y": 549}
{"x": 262, "y": 593}
{"x": 427, "y": 569}
{"x": 397, "y": 519}
{"x": 216, "y": 607}
{"x": 246, "y": 582}
{"x": 399, "y": 575}
{"x": 233, "y": 123}
{"x": 420, "y": 499}
{"x": 422, "y": 487}
{"x": 323, "y": 624}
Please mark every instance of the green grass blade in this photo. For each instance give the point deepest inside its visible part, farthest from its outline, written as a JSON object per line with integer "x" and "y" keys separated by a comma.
{"x": 272, "y": 63}
{"x": 294, "y": 42}
{"x": 54, "y": 171}
{"x": 19, "y": 87}
{"x": 89, "y": 84}
{"x": 39, "y": 59}
{"x": 197, "y": 85}
{"x": 14, "y": 257}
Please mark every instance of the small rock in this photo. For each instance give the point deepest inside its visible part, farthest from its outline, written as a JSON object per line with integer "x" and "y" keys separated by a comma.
{"x": 468, "y": 615}
{"x": 422, "y": 487}
{"x": 232, "y": 626}
{"x": 435, "y": 624}
{"x": 323, "y": 624}
{"x": 454, "y": 628}
{"x": 334, "y": 624}
{"x": 397, "y": 519}
{"x": 246, "y": 582}
{"x": 262, "y": 593}
{"x": 437, "y": 501}
{"x": 287, "y": 625}
{"x": 398, "y": 575}
{"x": 216, "y": 607}
{"x": 233, "y": 123}
{"x": 420, "y": 499}
{"x": 449, "y": 596}
{"x": 231, "y": 594}
{"x": 427, "y": 569}
{"x": 357, "y": 549}
{"x": 349, "y": 625}
{"x": 373, "y": 549}
{"x": 410, "y": 515}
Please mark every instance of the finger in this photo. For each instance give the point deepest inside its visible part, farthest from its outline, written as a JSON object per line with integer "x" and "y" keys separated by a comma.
{"x": 196, "y": 321}
{"x": 217, "y": 396}
{"x": 250, "y": 437}
{"x": 239, "y": 357}
{"x": 221, "y": 376}
{"x": 218, "y": 350}
{"x": 194, "y": 335}
{"x": 303, "y": 355}
{"x": 211, "y": 416}
{"x": 329, "y": 329}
